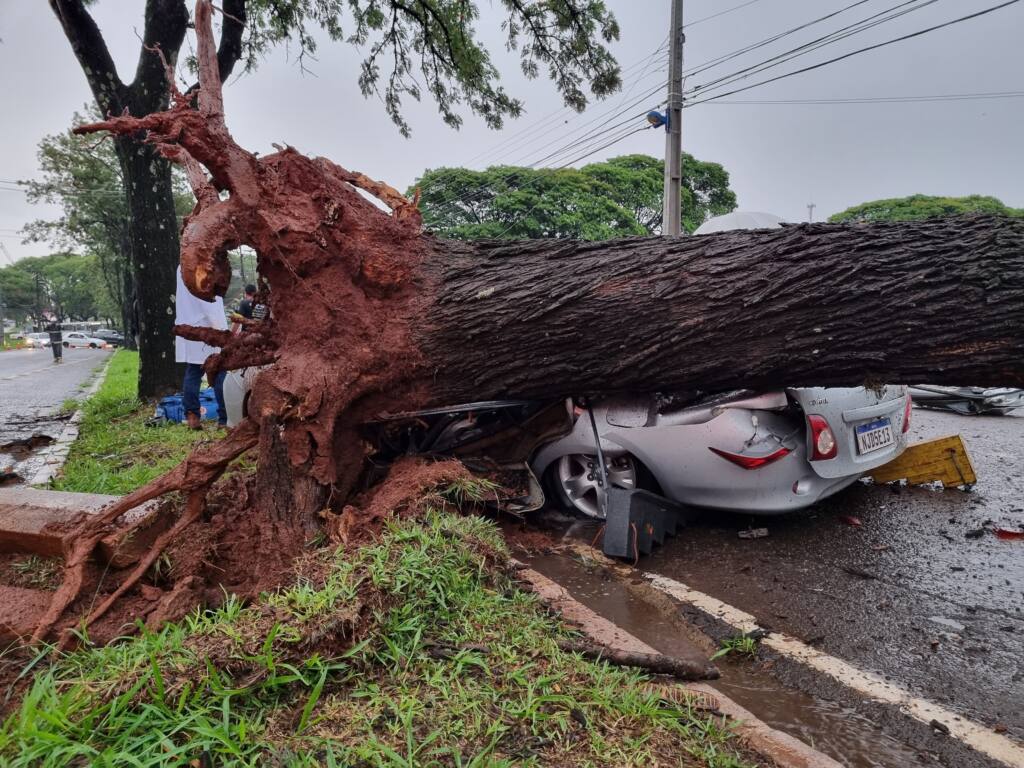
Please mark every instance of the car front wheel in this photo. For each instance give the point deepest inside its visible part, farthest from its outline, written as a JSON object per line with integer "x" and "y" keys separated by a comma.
{"x": 576, "y": 480}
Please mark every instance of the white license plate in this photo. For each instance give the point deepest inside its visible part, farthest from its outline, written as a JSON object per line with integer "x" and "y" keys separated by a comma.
{"x": 874, "y": 436}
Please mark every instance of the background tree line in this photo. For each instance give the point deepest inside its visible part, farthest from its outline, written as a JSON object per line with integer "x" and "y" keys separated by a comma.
{"x": 617, "y": 197}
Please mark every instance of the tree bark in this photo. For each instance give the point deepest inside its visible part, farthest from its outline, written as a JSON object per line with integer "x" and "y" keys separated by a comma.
{"x": 153, "y": 253}
{"x": 938, "y": 301}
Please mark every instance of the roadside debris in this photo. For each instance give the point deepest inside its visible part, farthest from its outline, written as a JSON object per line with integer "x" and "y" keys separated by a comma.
{"x": 859, "y": 572}
{"x": 968, "y": 401}
{"x": 656, "y": 663}
{"x": 975, "y": 533}
{"x": 753, "y": 533}
{"x": 850, "y": 520}
{"x": 944, "y": 460}
{"x": 21, "y": 449}
{"x": 1008, "y": 535}
{"x": 9, "y": 477}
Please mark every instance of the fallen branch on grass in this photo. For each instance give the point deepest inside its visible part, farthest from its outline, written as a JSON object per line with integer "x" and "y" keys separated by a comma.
{"x": 655, "y": 663}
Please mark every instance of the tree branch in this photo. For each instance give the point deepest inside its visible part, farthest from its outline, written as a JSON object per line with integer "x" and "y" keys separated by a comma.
{"x": 230, "y": 49}
{"x": 91, "y": 51}
{"x": 166, "y": 24}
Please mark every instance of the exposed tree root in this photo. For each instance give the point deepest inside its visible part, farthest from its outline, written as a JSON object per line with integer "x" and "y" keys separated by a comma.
{"x": 193, "y": 510}
{"x": 193, "y": 476}
{"x": 404, "y": 487}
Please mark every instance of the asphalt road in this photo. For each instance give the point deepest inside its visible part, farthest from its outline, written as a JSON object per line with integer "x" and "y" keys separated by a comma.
{"x": 921, "y": 593}
{"x": 33, "y": 389}
{"x": 938, "y": 606}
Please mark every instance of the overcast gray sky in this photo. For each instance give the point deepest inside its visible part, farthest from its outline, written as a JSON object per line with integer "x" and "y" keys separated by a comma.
{"x": 780, "y": 156}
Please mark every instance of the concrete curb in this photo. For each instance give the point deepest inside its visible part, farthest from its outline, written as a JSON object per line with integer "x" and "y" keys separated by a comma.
{"x": 781, "y": 748}
{"x": 54, "y": 455}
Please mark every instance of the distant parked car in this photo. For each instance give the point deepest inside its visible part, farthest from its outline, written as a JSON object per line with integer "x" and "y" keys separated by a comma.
{"x": 115, "y": 338}
{"x": 74, "y": 339}
{"x": 37, "y": 339}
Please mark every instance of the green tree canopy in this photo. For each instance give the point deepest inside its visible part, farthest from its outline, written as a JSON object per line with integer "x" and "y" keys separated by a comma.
{"x": 917, "y": 207}
{"x": 621, "y": 196}
{"x": 66, "y": 285}
{"x": 84, "y": 178}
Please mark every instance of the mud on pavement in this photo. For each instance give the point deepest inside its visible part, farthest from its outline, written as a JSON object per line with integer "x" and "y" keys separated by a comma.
{"x": 909, "y": 585}
{"x": 32, "y": 393}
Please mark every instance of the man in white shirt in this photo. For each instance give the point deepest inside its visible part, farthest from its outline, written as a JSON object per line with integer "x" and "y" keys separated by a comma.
{"x": 191, "y": 310}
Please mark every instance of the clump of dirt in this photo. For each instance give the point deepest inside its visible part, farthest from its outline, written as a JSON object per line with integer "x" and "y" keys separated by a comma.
{"x": 25, "y": 447}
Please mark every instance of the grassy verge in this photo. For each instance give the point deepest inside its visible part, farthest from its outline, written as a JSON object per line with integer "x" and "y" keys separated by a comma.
{"x": 115, "y": 451}
{"x": 418, "y": 650}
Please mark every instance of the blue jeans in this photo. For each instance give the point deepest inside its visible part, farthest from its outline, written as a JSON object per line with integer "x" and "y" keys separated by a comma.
{"x": 190, "y": 391}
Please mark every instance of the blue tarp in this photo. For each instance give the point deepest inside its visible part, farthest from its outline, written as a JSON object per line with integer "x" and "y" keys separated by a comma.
{"x": 171, "y": 408}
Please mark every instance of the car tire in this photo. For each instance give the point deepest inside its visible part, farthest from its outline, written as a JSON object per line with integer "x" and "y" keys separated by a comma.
{"x": 563, "y": 471}
{"x": 67, "y": 345}
{"x": 92, "y": 346}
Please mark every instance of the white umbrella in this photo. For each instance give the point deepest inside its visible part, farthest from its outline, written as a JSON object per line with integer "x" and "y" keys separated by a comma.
{"x": 739, "y": 220}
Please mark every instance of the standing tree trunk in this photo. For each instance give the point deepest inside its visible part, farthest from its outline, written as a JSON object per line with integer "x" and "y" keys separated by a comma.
{"x": 129, "y": 315}
{"x": 153, "y": 260}
{"x": 153, "y": 231}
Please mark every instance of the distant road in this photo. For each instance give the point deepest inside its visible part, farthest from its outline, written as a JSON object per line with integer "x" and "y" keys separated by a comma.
{"x": 33, "y": 388}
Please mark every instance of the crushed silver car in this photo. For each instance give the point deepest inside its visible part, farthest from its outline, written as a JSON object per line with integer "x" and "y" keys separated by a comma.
{"x": 760, "y": 453}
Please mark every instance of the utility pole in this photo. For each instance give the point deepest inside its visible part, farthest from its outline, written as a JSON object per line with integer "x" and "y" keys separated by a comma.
{"x": 671, "y": 212}
{"x": 810, "y": 211}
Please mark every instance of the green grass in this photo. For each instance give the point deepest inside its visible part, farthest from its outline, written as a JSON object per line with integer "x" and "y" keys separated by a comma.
{"x": 115, "y": 451}
{"x": 741, "y": 645}
{"x": 416, "y": 651}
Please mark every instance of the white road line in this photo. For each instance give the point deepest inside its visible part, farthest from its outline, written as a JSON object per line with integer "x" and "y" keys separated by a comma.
{"x": 978, "y": 737}
{"x": 45, "y": 368}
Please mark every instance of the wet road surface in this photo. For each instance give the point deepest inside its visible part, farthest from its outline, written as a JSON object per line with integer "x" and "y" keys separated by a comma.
{"x": 33, "y": 389}
{"x": 915, "y": 593}
{"x": 921, "y": 593}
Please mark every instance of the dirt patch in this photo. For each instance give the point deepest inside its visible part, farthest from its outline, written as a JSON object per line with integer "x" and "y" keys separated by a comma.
{"x": 25, "y": 447}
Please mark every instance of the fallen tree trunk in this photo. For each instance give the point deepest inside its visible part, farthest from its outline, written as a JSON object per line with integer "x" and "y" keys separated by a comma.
{"x": 370, "y": 315}
{"x": 811, "y": 304}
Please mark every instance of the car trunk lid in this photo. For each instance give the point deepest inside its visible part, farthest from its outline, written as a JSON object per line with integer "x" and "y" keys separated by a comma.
{"x": 877, "y": 414}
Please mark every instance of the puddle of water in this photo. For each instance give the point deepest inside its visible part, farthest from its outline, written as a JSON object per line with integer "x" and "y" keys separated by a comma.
{"x": 840, "y": 732}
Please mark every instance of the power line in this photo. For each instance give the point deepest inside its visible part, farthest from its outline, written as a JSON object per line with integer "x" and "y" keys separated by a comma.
{"x": 721, "y": 13}
{"x": 505, "y": 148}
{"x": 801, "y": 50}
{"x": 899, "y": 39}
{"x": 767, "y": 41}
{"x": 881, "y": 99}
{"x": 606, "y": 116}
{"x": 533, "y": 207}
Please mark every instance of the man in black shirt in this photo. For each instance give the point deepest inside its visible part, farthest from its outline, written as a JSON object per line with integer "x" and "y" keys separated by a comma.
{"x": 245, "y": 305}
{"x": 56, "y": 340}
{"x": 249, "y": 308}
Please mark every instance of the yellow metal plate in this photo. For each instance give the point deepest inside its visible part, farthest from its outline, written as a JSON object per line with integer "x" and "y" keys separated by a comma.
{"x": 944, "y": 460}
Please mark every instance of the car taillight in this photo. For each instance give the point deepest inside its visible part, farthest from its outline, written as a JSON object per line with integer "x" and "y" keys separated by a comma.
{"x": 751, "y": 462}
{"x": 823, "y": 441}
{"x": 906, "y": 414}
